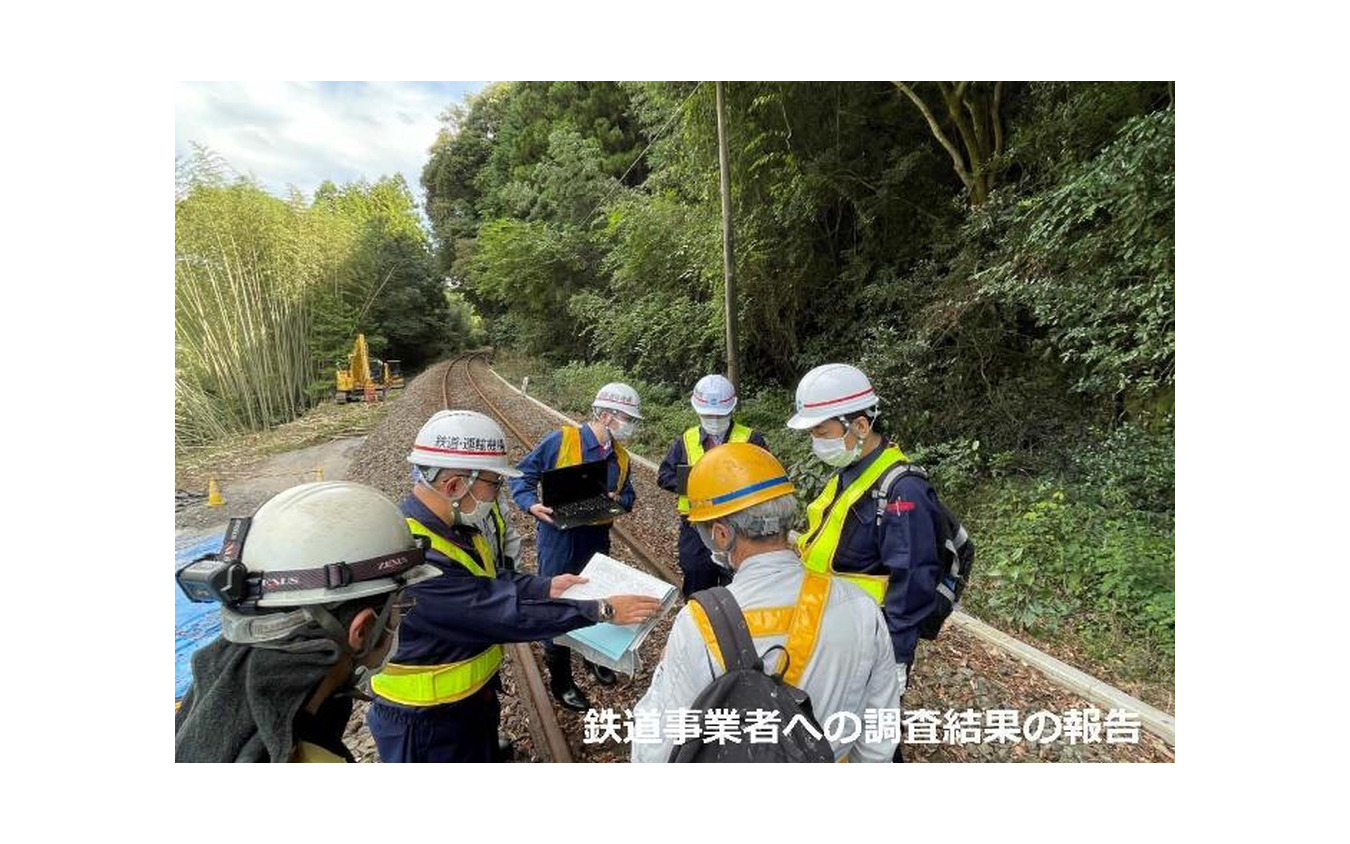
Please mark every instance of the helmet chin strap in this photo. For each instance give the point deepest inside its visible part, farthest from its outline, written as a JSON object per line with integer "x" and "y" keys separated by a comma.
{"x": 320, "y": 615}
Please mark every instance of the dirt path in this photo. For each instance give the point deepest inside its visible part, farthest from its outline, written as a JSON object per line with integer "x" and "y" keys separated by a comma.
{"x": 253, "y": 484}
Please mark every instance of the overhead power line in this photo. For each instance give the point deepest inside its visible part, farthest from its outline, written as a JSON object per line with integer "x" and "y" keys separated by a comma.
{"x": 659, "y": 134}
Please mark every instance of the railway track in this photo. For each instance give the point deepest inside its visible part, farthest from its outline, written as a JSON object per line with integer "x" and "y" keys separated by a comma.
{"x": 544, "y": 723}
{"x": 645, "y": 556}
{"x": 539, "y": 705}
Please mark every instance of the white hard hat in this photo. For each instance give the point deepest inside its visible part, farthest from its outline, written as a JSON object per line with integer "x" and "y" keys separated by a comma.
{"x": 315, "y": 525}
{"x": 462, "y": 439}
{"x": 616, "y": 396}
{"x": 713, "y": 395}
{"x": 834, "y": 389}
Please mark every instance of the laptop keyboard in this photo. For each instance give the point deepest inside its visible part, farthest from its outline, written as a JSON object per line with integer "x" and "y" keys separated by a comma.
{"x": 583, "y": 509}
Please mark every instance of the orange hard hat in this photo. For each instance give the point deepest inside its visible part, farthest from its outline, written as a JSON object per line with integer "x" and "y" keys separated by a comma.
{"x": 732, "y": 477}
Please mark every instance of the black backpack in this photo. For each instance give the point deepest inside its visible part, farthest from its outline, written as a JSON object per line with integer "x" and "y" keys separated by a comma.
{"x": 956, "y": 551}
{"x": 744, "y": 687}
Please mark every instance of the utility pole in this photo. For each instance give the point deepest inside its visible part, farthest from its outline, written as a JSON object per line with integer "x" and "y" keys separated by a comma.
{"x": 728, "y": 256}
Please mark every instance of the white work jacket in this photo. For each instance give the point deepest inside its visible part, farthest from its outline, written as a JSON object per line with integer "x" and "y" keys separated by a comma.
{"x": 851, "y": 669}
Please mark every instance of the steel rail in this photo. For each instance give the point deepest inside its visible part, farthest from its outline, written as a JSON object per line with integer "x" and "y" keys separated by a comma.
{"x": 537, "y": 699}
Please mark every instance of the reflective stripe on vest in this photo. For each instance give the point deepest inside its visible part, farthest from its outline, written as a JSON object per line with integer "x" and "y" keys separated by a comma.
{"x": 569, "y": 454}
{"x": 693, "y": 451}
{"x": 432, "y": 685}
{"x": 825, "y": 523}
{"x": 799, "y": 622}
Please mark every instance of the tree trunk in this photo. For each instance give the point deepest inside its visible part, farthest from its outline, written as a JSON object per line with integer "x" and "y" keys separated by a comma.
{"x": 978, "y": 123}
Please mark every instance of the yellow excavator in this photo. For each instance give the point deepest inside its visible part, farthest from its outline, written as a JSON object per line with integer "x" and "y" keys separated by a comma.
{"x": 364, "y": 371}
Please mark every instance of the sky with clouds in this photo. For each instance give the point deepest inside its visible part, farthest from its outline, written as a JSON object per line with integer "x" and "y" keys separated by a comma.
{"x": 301, "y": 133}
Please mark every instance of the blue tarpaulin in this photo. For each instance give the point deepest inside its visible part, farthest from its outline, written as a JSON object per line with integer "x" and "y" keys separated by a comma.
{"x": 194, "y": 624}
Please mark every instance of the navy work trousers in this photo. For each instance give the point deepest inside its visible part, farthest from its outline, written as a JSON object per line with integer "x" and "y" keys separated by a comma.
{"x": 463, "y": 731}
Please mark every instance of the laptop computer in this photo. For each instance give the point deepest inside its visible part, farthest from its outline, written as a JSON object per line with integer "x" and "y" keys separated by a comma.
{"x": 577, "y": 495}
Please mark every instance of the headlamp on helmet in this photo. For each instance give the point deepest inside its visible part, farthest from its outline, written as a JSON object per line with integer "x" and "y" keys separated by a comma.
{"x": 223, "y": 578}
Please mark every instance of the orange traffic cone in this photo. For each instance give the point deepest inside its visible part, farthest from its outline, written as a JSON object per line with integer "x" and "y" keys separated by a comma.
{"x": 213, "y": 493}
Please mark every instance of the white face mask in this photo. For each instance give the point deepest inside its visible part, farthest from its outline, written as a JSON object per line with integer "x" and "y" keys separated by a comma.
{"x": 624, "y": 432}
{"x": 475, "y": 518}
{"x": 715, "y": 426}
{"x": 720, "y": 557}
{"x": 832, "y": 452}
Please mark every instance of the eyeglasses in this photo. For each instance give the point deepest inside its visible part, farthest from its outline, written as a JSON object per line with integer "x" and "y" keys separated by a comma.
{"x": 494, "y": 484}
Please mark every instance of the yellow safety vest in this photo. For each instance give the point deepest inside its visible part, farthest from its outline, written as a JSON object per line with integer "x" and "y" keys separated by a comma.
{"x": 799, "y": 622}
{"x": 569, "y": 454}
{"x": 432, "y": 685}
{"x": 825, "y": 523}
{"x": 693, "y": 451}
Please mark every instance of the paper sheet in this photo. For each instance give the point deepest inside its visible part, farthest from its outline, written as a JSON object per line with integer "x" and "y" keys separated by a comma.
{"x": 607, "y": 576}
{"x": 611, "y": 645}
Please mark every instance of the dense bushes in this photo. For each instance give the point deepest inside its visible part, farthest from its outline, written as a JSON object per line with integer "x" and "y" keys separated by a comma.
{"x": 1022, "y": 341}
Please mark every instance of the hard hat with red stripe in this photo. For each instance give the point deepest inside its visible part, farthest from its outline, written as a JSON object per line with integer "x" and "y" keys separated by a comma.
{"x": 732, "y": 477}
{"x": 828, "y": 391}
{"x": 713, "y": 395}
{"x": 617, "y": 396}
{"x": 462, "y": 439}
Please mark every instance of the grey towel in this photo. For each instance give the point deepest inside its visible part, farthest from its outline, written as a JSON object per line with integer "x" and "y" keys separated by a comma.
{"x": 243, "y": 701}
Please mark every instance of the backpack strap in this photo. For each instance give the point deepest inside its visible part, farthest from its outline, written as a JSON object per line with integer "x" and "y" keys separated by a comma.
{"x": 729, "y": 629}
{"x": 881, "y": 493}
{"x": 953, "y": 534}
{"x": 953, "y": 542}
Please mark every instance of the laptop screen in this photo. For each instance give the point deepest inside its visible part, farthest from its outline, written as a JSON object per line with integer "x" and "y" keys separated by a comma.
{"x": 573, "y": 483}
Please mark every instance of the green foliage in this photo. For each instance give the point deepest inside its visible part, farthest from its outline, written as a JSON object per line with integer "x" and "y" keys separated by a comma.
{"x": 1091, "y": 259}
{"x": 463, "y": 326}
{"x": 529, "y": 270}
{"x": 1050, "y": 310}
{"x": 1050, "y": 559}
{"x": 955, "y": 466}
{"x": 1080, "y": 541}
{"x": 241, "y": 275}
{"x": 1022, "y": 347}
{"x": 1131, "y": 467}
{"x": 270, "y": 294}
{"x": 565, "y": 187}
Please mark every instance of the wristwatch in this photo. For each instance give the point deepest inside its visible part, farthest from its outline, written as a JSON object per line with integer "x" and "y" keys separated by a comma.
{"x": 606, "y": 611}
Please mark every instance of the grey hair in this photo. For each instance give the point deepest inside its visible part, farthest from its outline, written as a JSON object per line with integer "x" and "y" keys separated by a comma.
{"x": 766, "y": 519}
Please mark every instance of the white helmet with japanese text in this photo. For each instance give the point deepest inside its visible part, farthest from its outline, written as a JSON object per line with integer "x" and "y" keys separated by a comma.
{"x": 462, "y": 439}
